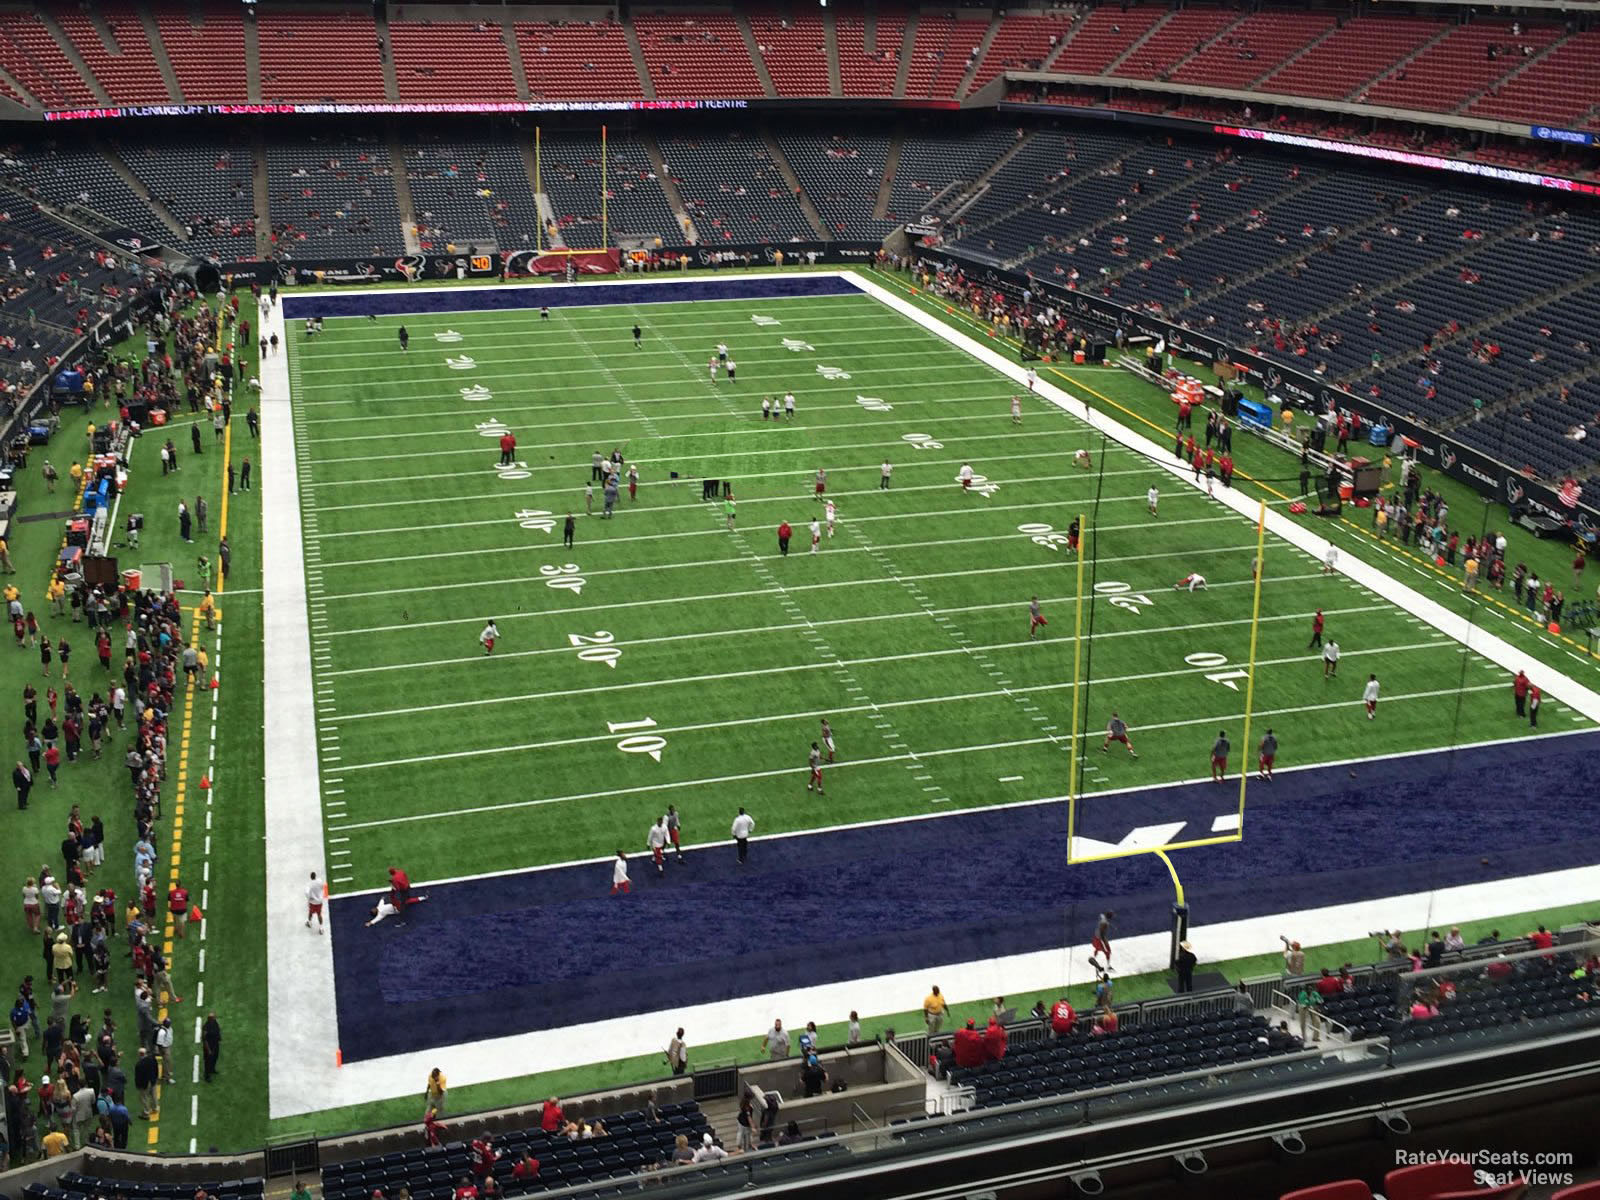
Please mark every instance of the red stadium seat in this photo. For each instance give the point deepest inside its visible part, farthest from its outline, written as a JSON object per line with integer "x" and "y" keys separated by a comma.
{"x": 1428, "y": 1180}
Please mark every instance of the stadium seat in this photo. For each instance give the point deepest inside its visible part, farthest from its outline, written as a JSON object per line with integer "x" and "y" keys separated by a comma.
{"x": 1426, "y": 1181}
{"x": 1343, "y": 1189}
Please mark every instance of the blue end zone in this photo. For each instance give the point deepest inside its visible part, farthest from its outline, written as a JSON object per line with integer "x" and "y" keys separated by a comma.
{"x": 548, "y": 949}
{"x": 571, "y": 295}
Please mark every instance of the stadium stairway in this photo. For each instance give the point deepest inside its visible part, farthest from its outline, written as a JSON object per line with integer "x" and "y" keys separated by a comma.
{"x": 636, "y": 52}
{"x": 252, "y": 59}
{"x": 792, "y": 181}
{"x": 519, "y": 72}
{"x": 891, "y": 164}
{"x": 263, "y": 196}
{"x": 760, "y": 63}
{"x": 830, "y": 41}
{"x": 1138, "y": 42}
{"x": 658, "y": 164}
{"x": 908, "y": 39}
{"x": 391, "y": 81}
{"x": 164, "y": 214}
{"x": 70, "y": 53}
{"x": 158, "y": 49}
{"x": 979, "y": 54}
{"x": 402, "y": 190}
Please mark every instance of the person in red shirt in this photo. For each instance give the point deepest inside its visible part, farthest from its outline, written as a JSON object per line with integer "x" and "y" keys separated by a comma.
{"x": 1329, "y": 985}
{"x": 483, "y": 1157}
{"x": 178, "y": 907}
{"x": 784, "y": 534}
{"x": 1519, "y": 692}
{"x": 1227, "y": 470}
{"x": 508, "y": 447}
{"x": 1541, "y": 939}
{"x": 550, "y": 1116}
{"x": 526, "y": 1170}
{"x": 466, "y": 1190}
{"x": 399, "y": 889}
{"x": 968, "y": 1046}
{"x": 994, "y": 1041}
{"x": 1534, "y": 698}
{"x": 52, "y": 762}
{"x": 1062, "y": 1018}
{"x": 1316, "y": 630}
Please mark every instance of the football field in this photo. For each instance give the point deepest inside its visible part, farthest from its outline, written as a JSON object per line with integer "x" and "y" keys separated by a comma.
{"x": 666, "y": 657}
{"x": 673, "y": 655}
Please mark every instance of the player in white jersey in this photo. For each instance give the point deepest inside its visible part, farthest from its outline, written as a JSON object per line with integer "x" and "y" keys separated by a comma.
{"x": 1330, "y": 560}
{"x": 657, "y": 840}
{"x": 788, "y": 405}
{"x": 1370, "y": 695}
{"x": 489, "y": 636}
{"x": 965, "y": 476}
{"x": 316, "y": 896}
{"x": 722, "y": 351}
{"x": 1016, "y": 410}
{"x": 827, "y": 738}
{"x": 1194, "y": 581}
{"x": 766, "y": 408}
{"x": 828, "y": 513}
{"x": 711, "y": 369}
{"x": 1153, "y": 499}
{"x": 1033, "y": 378}
{"x": 816, "y": 535}
{"x": 1080, "y": 458}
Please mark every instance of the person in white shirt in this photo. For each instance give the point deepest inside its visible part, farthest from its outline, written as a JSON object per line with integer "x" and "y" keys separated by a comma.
{"x": 828, "y": 512}
{"x": 743, "y": 825}
{"x": 1080, "y": 458}
{"x": 1370, "y": 695}
{"x": 619, "y": 875}
{"x": 965, "y": 476}
{"x": 788, "y": 405}
{"x": 887, "y": 471}
{"x": 1153, "y": 498}
{"x": 382, "y": 911}
{"x": 816, "y": 535}
{"x": 1330, "y": 560}
{"x": 490, "y": 635}
{"x": 1033, "y": 378}
{"x": 733, "y": 370}
{"x": 656, "y": 840}
{"x": 766, "y": 408}
{"x": 1194, "y": 581}
{"x": 1330, "y": 659}
{"x": 1016, "y": 410}
{"x": 709, "y": 1151}
{"x": 722, "y": 351}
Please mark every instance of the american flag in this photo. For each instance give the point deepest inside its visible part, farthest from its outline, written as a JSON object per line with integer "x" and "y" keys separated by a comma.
{"x": 1571, "y": 492}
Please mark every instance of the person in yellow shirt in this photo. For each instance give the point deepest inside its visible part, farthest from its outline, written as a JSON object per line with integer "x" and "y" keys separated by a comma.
{"x": 437, "y": 1087}
{"x": 5, "y": 557}
{"x": 76, "y": 472}
{"x": 55, "y": 1143}
{"x": 933, "y": 1010}
{"x": 208, "y": 609}
{"x": 56, "y": 593}
{"x": 11, "y": 594}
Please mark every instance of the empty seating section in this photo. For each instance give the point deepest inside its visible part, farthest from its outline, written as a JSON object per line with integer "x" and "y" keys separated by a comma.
{"x": 1185, "y": 32}
{"x": 1105, "y": 34}
{"x": 30, "y": 53}
{"x": 632, "y": 1143}
{"x": 940, "y": 169}
{"x": 67, "y": 175}
{"x": 298, "y": 49}
{"x": 208, "y": 56}
{"x": 72, "y": 1185}
{"x": 1082, "y": 1061}
{"x": 128, "y": 72}
{"x": 940, "y": 55}
{"x": 863, "y": 72}
{"x": 696, "y": 55}
{"x": 471, "y": 191}
{"x": 636, "y": 207}
{"x": 442, "y": 61}
{"x": 842, "y": 175}
{"x": 577, "y": 60}
{"x": 1251, "y": 48}
{"x": 795, "y": 54}
{"x": 1561, "y": 85}
{"x": 1445, "y": 74}
{"x": 1022, "y": 43}
{"x": 1360, "y": 49}
{"x": 1048, "y": 163}
{"x": 733, "y": 191}
{"x": 210, "y": 190}
{"x": 332, "y": 197}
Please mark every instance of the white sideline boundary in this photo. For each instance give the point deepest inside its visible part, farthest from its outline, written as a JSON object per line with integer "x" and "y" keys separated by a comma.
{"x": 301, "y": 1033}
{"x": 303, "y": 1074}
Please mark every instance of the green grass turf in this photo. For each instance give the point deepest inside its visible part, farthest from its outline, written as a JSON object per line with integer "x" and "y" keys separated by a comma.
{"x": 955, "y": 401}
{"x": 1266, "y": 471}
{"x": 908, "y": 629}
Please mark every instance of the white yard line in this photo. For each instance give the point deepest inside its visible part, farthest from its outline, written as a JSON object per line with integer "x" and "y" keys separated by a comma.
{"x": 932, "y": 614}
{"x": 1022, "y": 646}
{"x": 301, "y": 1035}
